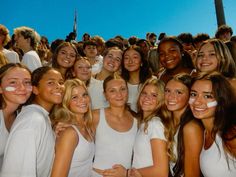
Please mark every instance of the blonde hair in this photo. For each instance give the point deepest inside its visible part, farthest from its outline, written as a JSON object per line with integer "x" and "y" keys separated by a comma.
{"x": 27, "y": 32}
{"x": 62, "y": 113}
{"x": 5, "y": 32}
{"x": 161, "y": 111}
{"x": 3, "y": 59}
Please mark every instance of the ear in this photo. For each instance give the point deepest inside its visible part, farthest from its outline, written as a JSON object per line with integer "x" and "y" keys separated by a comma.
{"x": 1, "y": 90}
{"x": 35, "y": 90}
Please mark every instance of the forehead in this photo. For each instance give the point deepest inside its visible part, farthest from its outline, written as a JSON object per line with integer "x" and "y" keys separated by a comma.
{"x": 17, "y": 72}
{"x": 68, "y": 48}
{"x": 173, "y": 84}
{"x": 82, "y": 61}
{"x": 151, "y": 87}
{"x": 168, "y": 44}
{"x": 78, "y": 89}
{"x": 52, "y": 74}
{"x": 208, "y": 46}
{"x": 116, "y": 82}
{"x": 202, "y": 86}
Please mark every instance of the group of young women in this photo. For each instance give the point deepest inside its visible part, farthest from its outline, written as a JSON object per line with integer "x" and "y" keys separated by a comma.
{"x": 123, "y": 121}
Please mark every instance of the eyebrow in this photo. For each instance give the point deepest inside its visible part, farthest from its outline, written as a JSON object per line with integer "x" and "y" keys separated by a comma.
{"x": 203, "y": 92}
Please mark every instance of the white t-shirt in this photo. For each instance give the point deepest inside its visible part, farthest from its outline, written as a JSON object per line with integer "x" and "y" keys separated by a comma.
{"x": 142, "y": 146}
{"x": 31, "y": 60}
{"x": 29, "y": 150}
{"x": 95, "y": 90}
{"x": 12, "y": 56}
{"x": 3, "y": 137}
{"x": 133, "y": 96}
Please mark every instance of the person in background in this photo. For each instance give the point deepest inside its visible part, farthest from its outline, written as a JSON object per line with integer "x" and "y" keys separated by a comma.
{"x": 199, "y": 38}
{"x": 64, "y": 58}
{"x": 11, "y": 55}
{"x": 15, "y": 89}
{"x": 74, "y": 149}
{"x": 188, "y": 44}
{"x": 86, "y": 37}
{"x": 173, "y": 58}
{"x": 28, "y": 39}
{"x": 214, "y": 55}
{"x": 152, "y": 37}
{"x": 3, "y": 59}
{"x": 224, "y": 33}
{"x": 212, "y": 101}
{"x": 135, "y": 70}
{"x": 31, "y": 131}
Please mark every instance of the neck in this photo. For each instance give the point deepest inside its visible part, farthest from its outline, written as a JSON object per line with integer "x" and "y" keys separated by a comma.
{"x": 117, "y": 111}
{"x": 208, "y": 124}
{"x": 27, "y": 49}
{"x": 177, "y": 116}
{"x": 103, "y": 74}
{"x": 46, "y": 106}
{"x": 134, "y": 77}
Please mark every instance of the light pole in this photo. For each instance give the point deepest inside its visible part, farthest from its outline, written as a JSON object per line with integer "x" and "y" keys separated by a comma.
{"x": 219, "y": 12}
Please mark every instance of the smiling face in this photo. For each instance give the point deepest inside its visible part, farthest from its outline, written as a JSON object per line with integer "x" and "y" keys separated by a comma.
{"x": 169, "y": 54}
{"x": 15, "y": 86}
{"x": 112, "y": 60}
{"x": 149, "y": 99}
{"x": 176, "y": 96}
{"x": 50, "y": 89}
{"x": 66, "y": 57}
{"x": 206, "y": 59}
{"x": 82, "y": 70}
{"x": 79, "y": 102}
{"x": 116, "y": 92}
{"x": 200, "y": 97}
{"x": 132, "y": 60}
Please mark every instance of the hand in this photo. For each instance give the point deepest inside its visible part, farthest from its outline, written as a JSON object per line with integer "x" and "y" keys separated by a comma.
{"x": 60, "y": 127}
{"x": 134, "y": 173}
{"x": 116, "y": 171}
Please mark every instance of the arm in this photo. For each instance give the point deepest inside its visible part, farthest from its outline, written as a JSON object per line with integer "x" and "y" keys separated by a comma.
{"x": 193, "y": 142}
{"x": 65, "y": 147}
{"x": 160, "y": 166}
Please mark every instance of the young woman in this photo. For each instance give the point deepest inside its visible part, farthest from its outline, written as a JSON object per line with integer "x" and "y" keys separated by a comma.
{"x": 111, "y": 63}
{"x": 150, "y": 148}
{"x": 173, "y": 58}
{"x": 30, "y": 147}
{"x": 15, "y": 89}
{"x": 214, "y": 55}
{"x": 115, "y": 131}
{"x": 64, "y": 58}
{"x": 185, "y": 152}
{"x": 212, "y": 101}
{"x": 75, "y": 146}
{"x": 135, "y": 71}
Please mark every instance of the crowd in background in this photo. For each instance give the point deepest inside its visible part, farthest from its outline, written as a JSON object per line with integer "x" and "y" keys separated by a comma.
{"x": 160, "y": 106}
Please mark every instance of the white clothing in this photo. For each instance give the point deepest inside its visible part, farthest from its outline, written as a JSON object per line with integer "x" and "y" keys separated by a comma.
{"x": 81, "y": 164}
{"x": 172, "y": 164}
{"x": 12, "y": 56}
{"x": 142, "y": 146}
{"x": 95, "y": 90}
{"x": 113, "y": 147}
{"x": 29, "y": 150}
{"x": 133, "y": 96}
{"x": 3, "y": 136}
{"x": 213, "y": 161}
{"x": 97, "y": 67}
{"x": 31, "y": 60}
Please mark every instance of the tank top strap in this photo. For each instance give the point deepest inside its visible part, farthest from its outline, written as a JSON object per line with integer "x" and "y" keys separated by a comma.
{"x": 77, "y": 130}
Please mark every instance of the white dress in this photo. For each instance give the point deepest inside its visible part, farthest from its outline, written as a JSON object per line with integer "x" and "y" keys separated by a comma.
{"x": 29, "y": 150}
{"x": 142, "y": 146}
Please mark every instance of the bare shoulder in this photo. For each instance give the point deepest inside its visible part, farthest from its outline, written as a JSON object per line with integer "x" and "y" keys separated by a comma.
{"x": 193, "y": 128}
{"x": 96, "y": 117}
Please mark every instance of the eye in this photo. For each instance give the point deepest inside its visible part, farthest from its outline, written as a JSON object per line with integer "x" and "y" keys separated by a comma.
{"x": 179, "y": 92}
{"x": 208, "y": 96}
{"x": 85, "y": 95}
{"x": 154, "y": 95}
{"x": 200, "y": 56}
{"x": 167, "y": 91}
{"x": 193, "y": 94}
{"x": 28, "y": 83}
{"x": 212, "y": 54}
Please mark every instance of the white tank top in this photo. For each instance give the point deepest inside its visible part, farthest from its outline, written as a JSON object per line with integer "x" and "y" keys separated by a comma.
{"x": 3, "y": 137}
{"x": 113, "y": 147}
{"x": 213, "y": 161}
{"x": 81, "y": 164}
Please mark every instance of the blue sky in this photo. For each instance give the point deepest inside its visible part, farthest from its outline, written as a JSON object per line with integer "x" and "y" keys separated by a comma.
{"x": 108, "y": 18}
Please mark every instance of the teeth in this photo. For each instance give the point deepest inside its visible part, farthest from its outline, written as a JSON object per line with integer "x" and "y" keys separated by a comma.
{"x": 172, "y": 103}
{"x": 169, "y": 61}
{"x": 199, "y": 109}
{"x": 58, "y": 94}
